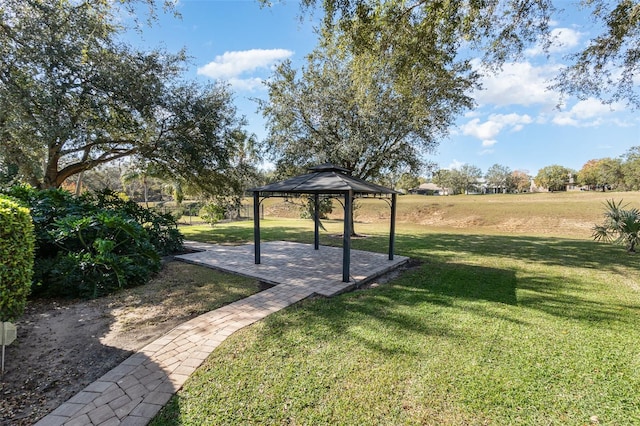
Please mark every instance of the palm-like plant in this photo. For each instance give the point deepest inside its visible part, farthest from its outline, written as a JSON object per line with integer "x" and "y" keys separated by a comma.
{"x": 620, "y": 226}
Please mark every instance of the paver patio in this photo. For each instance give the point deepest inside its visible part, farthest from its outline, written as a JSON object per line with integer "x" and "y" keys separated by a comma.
{"x": 133, "y": 392}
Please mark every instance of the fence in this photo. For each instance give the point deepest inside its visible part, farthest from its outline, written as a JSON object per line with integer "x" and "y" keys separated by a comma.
{"x": 190, "y": 213}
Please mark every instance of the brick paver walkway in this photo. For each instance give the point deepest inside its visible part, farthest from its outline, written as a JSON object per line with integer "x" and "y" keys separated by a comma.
{"x": 133, "y": 392}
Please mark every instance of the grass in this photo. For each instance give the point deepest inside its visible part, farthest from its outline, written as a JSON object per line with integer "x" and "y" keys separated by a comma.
{"x": 491, "y": 328}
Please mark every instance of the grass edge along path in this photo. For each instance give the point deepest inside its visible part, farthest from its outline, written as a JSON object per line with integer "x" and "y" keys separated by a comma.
{"x": 490, "y": 329}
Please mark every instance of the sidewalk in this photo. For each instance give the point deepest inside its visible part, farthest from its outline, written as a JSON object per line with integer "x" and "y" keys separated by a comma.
{"x": 133, "y": 392}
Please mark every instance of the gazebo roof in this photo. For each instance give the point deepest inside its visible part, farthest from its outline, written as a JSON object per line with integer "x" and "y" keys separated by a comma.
{"x": 325, "y": 179}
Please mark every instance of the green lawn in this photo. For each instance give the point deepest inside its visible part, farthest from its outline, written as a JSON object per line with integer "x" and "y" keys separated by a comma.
{"x": 491, "y": 328}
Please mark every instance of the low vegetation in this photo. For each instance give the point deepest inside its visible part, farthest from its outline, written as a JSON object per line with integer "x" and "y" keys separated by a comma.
{"x": 620, "y": 226}
{"x": 92, "y": 245}
{"x": 493, "y": 327}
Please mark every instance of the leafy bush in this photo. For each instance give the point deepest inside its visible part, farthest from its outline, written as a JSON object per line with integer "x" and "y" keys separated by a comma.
{"x": 162, "y": 228}
{"x": 212, "y": 213}
{"x": 325, "y": 207}
{"x": 91, "y": 245}
{"x": 16, "y": 258}
{"x": 98, "y": 254}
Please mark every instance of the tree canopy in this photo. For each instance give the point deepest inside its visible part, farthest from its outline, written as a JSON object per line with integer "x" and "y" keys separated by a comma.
{"x": 602, "y": 174}
{"x": 73, "y": 98}
{"x": 501, "y": 30}
{"x": 554, "y": 177}
{"x": 333, "y": 111}
{"x": 499, "y": 176}
{"x": 631, "y": 168}
{"x": 520, "y": 180}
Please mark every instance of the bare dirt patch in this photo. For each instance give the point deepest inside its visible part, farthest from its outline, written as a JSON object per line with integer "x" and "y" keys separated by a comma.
{"x": 64, "y": 345}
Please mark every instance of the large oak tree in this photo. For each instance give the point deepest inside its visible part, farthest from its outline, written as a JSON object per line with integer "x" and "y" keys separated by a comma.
{"x": 358, "y": 114}
{"x": 73, "y": 98}
{"x": 497, "y": 30}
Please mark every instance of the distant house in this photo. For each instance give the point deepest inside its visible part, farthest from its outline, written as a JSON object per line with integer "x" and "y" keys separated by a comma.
{"x": 429, "y": 189}
{"x": 571, "y": 185}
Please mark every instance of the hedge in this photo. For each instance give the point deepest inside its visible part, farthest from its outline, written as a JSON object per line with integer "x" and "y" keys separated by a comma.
{"x": 17, "y": 246}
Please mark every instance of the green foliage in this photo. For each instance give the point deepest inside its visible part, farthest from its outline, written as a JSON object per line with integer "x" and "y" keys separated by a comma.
{"x": 356, "y": 114}
{"x": 458, "y": 181}
{"x": 554, "y": 178}
{"x": 17, "y": 244}
{"x": 416, "y": 35}
{"x": 98, "y": 254}
{"x": 407, "y": 182}
{"x": 602, "y": 174}
{"x": 72, "y": 94}
{"x": 631, "y": 168}
{"x": 620, "y": 226}
{"x": 91, "y": 245}
{"x": 161, "y": 228}
{"x": 212, "y": 213}
{"x": 499, "y": 177}
{"x": 325, "y": 207}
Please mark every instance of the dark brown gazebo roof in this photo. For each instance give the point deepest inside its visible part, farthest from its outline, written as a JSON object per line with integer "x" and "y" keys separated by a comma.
{"x": 326, "y": 179}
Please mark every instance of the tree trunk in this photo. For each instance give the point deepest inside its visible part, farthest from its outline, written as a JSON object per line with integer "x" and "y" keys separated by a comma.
{"x": 79, "y": 183}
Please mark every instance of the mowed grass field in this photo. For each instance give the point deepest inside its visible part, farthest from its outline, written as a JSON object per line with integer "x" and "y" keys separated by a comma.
{"x": 512, "y": 316}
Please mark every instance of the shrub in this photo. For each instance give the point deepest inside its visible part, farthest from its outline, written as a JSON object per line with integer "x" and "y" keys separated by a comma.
{"x": 98, "y": 254}
{"x": 162, "y": 228}
{"x": 16, "y": 258}
{"x": 91, "y": 245}
{"x": 212, "y": 213}
{"x": 325, "y": 207}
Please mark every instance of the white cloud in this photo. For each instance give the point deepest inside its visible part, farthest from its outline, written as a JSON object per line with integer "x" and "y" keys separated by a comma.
{"x": 562, "y": 40}
{"x": 248, "y": 84}
{"x": 486, "y": 130}
{"x": 587, "y": 113}
{"x": 232, "y": 65}
{"x": 495, "y": 124}
{"x": 518, "y": 83}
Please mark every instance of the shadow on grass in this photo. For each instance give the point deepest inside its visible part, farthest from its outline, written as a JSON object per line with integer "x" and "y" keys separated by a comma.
{"x": 239, "y": 234}
{"x": 550, "y": 285}
{"x": 541, "y": 250}
{"x": 463, "y": 284}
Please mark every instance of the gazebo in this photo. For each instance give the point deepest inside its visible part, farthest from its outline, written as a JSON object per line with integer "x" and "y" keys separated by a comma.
{"x": 331, "y": 181}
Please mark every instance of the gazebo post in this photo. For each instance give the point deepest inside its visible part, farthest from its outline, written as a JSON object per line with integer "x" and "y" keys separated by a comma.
{"x": 256, "y": 226}
{"x": 316, "y": 221}
{"x": 346, "y": 237}
{"x": 392, "y": 231}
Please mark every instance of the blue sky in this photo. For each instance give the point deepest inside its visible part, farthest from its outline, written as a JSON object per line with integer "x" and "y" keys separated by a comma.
{"x": 517, "y": 122}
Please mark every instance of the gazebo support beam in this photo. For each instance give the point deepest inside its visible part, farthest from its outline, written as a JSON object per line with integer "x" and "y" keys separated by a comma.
{"x": 392, "y": 230}
{"x": 316, "y": 221}
{"x": 346, "y": 237}
{"x": 256, "y": 227}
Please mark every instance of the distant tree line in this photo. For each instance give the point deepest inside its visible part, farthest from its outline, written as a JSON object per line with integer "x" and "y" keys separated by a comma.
{"x": 604, "y": 174}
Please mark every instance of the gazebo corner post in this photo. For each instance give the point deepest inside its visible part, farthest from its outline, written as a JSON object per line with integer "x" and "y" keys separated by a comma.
{"x": 392, "y": 228}
{"x": 316, "y": 221}
{"x": 256, "y": 226}
{"x": 346, "y": 237}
